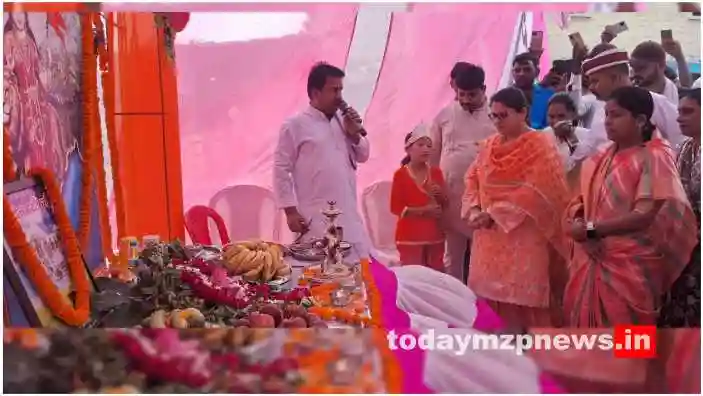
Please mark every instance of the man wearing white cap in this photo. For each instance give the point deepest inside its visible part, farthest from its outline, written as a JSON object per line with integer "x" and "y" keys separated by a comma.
{"x": 607, "y": 69}
{"x": 456, "y": 133}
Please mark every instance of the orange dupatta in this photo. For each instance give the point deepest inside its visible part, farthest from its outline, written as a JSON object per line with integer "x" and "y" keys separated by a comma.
{"x": 526, "y": 172}
{"x": 516, "y": 181}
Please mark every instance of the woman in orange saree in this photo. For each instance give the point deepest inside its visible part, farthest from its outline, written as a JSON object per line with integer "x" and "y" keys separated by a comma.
{"x": 516, "y": 193}
{"x": 633, "y": 225}
{"x": 418, "y": 198}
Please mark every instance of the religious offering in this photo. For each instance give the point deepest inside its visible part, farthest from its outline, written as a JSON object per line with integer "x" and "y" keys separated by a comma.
{"x": 240, "y": 360}
{"x": 332, "y": 267}
{"x": 44, "y": 264}
{"x": 256, "y": 261}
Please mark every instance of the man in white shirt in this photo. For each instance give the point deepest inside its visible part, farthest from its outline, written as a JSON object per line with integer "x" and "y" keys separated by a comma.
{"x": 315, "y": 162}
{"x": 456, "y": 133}
{"x": 607, "y": 69}
{"x": 648, "y": 63}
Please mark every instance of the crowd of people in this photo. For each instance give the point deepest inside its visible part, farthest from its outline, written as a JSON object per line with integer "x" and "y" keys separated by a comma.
{"x": 569, "y": 201}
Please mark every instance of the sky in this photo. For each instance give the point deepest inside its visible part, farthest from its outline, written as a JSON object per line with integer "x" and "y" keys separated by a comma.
{"x": 240, "y": 26}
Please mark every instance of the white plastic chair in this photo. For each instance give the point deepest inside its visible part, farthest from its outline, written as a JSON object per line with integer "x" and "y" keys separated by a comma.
{"x": 380, "y": 222}
{"x": 249, "y": 212}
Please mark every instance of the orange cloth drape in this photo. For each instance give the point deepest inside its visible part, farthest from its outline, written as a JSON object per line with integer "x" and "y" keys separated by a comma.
{"x": 625, "y": 283}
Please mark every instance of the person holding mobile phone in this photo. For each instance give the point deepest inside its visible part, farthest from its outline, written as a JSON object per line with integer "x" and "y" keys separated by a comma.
{"x": 569, "y": 137}
{"x": 607, "y": 69}
{"x": 648, "y": 63}
{"x": 525, "y": 78}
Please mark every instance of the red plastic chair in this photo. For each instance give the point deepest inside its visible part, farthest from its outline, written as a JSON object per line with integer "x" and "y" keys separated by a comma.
{"x": 196, "y": 222}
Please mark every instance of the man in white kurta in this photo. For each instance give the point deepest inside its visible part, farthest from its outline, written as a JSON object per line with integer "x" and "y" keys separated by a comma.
{"x": 456, "y": 135}
{"x": 607, "y": 70}
{"x": 315, "y": 161}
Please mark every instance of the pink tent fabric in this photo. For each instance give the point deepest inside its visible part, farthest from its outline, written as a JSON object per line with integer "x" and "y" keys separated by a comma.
{"x": 414, "y": 79}
{"x": 235, "y": 96}
{"x": 501, "y": 7}
{"x": 217, "y": 7}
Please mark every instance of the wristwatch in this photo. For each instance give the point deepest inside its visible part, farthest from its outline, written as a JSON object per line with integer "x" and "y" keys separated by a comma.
{"x": 591, "y": 231}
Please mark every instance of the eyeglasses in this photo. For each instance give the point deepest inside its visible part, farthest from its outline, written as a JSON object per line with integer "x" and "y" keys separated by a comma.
{"x": 497, "y": 116}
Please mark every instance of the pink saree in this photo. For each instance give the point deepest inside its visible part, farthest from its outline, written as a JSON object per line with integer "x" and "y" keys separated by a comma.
{"x": 624, "y": 283}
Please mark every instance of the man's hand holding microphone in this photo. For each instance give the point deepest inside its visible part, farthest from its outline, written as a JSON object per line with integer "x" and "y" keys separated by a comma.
{"x": 352, "y": 122}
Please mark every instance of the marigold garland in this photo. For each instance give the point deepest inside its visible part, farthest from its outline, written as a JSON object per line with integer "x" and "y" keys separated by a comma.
{"x": 103, "y": 212}
{"x": 28, "y": 338}
{"x": 393, "y": 373}
{"x": 27, "y": 257}
{"x": 90, "y": 107}
{"x": 109, "y": 98}
{"x": 313, "y": 365}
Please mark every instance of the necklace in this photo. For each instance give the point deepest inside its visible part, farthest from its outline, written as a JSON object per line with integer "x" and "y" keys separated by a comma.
{"x": 27, "y": 256}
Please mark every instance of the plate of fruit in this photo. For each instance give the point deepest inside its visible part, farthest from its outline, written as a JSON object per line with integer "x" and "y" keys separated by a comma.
{"x": 257, "y": 261}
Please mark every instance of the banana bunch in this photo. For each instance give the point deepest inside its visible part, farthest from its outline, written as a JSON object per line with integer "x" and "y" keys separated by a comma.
{"x": 256, "y": 260}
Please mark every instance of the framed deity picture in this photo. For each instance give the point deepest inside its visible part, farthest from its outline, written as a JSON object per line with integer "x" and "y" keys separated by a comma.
{"x": 29, "y": 201}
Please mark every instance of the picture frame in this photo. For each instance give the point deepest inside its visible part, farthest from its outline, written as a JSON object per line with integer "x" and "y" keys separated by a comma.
{"x": 27, "y": 197}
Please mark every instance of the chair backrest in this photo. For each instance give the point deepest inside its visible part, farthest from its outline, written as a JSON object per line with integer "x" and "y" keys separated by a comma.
{"x": 376, "y": 207}
{"x": 249, "y": 212}
{"x": 197, "y": 222}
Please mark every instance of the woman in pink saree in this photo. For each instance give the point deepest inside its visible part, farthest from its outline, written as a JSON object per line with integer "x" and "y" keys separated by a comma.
{"x": 33, "y": 123}
{"x": 633, "y": 227}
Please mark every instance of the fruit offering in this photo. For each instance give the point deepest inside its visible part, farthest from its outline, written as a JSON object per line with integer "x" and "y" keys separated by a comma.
{"x": 281, "y": 316}
{"x": 256, "y": 261}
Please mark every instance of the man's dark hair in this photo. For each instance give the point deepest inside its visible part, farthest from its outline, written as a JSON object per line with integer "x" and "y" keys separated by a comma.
{"x": 650, "y": 51}
{"x": 470, "y": 77}
{"x": 317, "y": 78}
{"x": 526, "y": 57}
{"x": 458, "y": 67}
{"x": 694, "y": 94}
{"x": 670, "y": 73}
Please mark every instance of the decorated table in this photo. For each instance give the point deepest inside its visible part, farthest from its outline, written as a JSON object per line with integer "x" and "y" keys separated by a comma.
{"x": 197, "y": 319}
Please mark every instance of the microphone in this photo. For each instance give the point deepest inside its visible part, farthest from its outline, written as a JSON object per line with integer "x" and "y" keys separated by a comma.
{"x": 344, "y": 107}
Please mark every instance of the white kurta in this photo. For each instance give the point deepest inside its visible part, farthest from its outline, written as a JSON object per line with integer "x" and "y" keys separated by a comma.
{"x": 664, "y": 118}
{"x": 671, "y": 92}
{"x": 563, "y": 147}
{"x": 456, "y": 136}
{"x": 315, "y": 162}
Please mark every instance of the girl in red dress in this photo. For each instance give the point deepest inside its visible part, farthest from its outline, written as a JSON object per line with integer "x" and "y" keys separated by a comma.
{"x": 418, "y": 198}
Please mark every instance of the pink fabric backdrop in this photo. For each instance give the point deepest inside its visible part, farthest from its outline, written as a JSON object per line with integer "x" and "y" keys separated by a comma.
{"x": 218, "y": 7}
{"x": 235, "y": 96}
{"x": 414, "y": 80}
{"x": 501, "y": 7}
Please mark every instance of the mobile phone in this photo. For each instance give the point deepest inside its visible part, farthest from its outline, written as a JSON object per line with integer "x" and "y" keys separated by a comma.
{"x": 577, "y": 40}
{"x": 617, "y": 28}
{"x": 562, "y": 66}
{"x": 537, "y": 41}
{"x": 667, "y": 34}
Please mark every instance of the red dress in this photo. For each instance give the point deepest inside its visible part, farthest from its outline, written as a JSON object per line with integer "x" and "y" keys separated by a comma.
{"x": 420, "y": 240}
